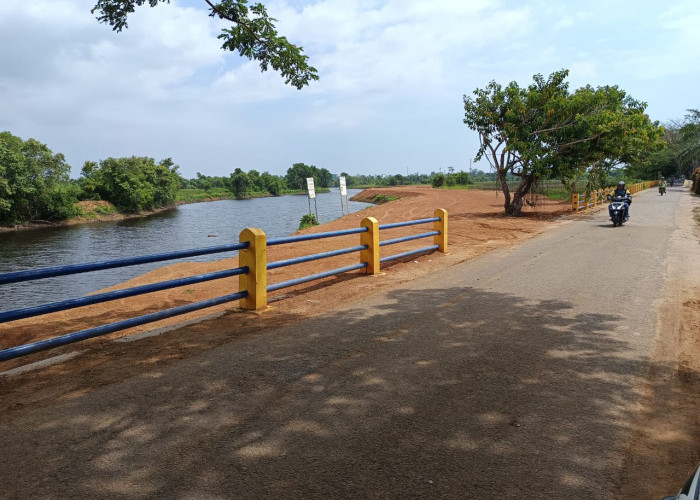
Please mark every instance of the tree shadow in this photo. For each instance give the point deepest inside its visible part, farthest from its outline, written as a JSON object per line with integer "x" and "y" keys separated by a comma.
{"x": 430, "y": 393}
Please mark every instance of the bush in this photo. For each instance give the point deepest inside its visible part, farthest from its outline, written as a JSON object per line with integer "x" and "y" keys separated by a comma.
{"x": 133, "y": 184}
{"x": 438, "y": 180}
{"x": 308, "y": 220}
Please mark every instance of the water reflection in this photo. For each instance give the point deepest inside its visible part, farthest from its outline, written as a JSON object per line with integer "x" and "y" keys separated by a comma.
{"x": 188, "y": 226}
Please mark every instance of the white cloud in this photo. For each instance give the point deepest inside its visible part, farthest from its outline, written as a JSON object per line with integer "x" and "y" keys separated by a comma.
{"x": 392, "y": 73}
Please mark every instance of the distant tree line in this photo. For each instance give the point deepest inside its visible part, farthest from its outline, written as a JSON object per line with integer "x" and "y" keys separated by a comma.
{"x": 243, "y": 184}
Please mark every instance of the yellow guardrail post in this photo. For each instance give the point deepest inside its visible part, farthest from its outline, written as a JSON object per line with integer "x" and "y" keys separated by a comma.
{"x": 574, "y": 201}
{"x": 370, "y": 255}
{"x": 440, "y": 225}
{"x": 595, "y": 198}
{"x": 255, "y": 258}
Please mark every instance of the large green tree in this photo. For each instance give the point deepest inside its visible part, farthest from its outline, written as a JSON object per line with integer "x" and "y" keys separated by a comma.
{"x": 133, "y": 184}
{"x": 544, "y": 131}
{"x": 299, "y": 172}
{"x": 34, "y": 183}
{"x": 252, "y": 34}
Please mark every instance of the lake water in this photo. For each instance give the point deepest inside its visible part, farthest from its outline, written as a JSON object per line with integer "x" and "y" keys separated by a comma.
{"x": 186, "y": 227}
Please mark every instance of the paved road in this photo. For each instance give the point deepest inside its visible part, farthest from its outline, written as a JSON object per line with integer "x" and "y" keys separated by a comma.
{"x": 509, "y": 376}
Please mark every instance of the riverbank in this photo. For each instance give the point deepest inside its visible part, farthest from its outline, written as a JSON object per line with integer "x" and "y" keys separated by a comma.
{"x": 90, "y": 212}
{"x": 476, "y": 226}
{"x": 96, "y": 211}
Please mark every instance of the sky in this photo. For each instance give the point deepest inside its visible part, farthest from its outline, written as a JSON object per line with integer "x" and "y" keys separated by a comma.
{"x": 393, "y": 74}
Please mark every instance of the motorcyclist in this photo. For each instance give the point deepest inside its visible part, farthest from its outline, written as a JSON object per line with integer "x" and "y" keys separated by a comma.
{"x": 622, "y": 192}
{"x": 662, "y": 185}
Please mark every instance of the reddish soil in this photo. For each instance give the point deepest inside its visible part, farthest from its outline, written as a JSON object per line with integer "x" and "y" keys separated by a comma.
{"x": 476, "y": 226}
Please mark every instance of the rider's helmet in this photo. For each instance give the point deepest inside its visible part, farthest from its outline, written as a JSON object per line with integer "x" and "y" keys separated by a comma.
{"x": 621, "y": 184}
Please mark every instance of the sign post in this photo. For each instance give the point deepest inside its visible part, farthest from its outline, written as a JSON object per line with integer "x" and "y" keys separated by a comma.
{"x": 343, "y": 192}
{"x": 312, "y": 194}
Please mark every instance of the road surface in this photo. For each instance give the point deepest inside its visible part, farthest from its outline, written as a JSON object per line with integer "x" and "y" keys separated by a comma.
{"x": 513, "y": 375}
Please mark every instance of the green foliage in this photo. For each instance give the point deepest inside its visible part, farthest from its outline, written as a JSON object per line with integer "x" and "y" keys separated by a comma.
{"x": 308, "y": 220}
{"x": 194, "y": 195}
{"x": 299, "y": 172}
{"x": 544, "y": 131}
{"x": 133, "y": 184}
{"x": 34, "y": 182}
{"x": 239, "y": 183}
{"x": 463, "y": 178}
{"x": 252, "y": 34}
{"x": 682, "y": 153}
{"x": 438, "y": 180}
{"x": 379, "y": 199}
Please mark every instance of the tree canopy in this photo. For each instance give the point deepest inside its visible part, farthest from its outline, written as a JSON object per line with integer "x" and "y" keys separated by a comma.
{"x": 252, "y": 34}
{"x": 544, "y": 131}
{"x": 133, "y": 184}
{"x": 34, "y": 182}
{"x": 682, "y": 154}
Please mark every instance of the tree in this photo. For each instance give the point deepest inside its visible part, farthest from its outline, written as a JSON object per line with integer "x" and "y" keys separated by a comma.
{"x": 34, "y": 183}
{"x": 252, "y": 34}
{"x": 297, "y": 175}
{"x": 272, "y": 183}
{"x": 683, "y": 151}
{"x": 543, "y": 131}
{"x": 239, "y": 183}
{"x": 133, "y": 184}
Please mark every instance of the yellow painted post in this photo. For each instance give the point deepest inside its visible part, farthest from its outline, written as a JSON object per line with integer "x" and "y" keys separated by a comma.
{"x": 371, "y": 239}
{"x": 255, "y": 257}
{"x": 595, "y": 198}
{"x": 574, "y": 201}
{"x": 440, "y": 225}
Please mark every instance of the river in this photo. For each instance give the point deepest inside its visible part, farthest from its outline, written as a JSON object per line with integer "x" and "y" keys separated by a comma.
{"x": 185, "y": 227}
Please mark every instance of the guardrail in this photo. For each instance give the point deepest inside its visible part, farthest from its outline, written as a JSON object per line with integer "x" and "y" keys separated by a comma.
{"x": 584, "y": 201}
{"x": 252, "y": 273}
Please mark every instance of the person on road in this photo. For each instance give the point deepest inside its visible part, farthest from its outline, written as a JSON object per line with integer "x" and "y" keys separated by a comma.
{"x": 621, "y": 191}
{"x": 662, "y": 185}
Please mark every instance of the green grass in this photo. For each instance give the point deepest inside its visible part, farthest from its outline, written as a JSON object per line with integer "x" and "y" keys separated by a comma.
{"x": 195, "y": 195}
{"x": 378, "y": 199}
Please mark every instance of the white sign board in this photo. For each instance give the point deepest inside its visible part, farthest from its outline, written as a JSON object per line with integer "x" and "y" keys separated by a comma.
{"x": 343, "y": 188}
{"x": 310, "y": 187}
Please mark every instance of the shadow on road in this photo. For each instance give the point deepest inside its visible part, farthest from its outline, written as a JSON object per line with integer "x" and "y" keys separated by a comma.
{"x": 434, "y": 393}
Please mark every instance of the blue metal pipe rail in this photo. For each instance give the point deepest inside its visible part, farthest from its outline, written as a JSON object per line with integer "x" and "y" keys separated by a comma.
{"x": 36, "y": 274}
{"x": 69, "y": 338}
{"x": 50, "y": 272}
{"x": 29, "y": 312}
{"x": 316, "y": 256}
{"x": 317, "y": 276}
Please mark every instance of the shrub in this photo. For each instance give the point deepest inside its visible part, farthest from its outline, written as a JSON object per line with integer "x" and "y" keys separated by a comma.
{"x": 308, "y": 220}
{"x": 438, "y": 180}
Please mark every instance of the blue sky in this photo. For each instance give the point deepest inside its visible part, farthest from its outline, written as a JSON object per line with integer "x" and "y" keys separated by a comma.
{"x": 389, "y": 101}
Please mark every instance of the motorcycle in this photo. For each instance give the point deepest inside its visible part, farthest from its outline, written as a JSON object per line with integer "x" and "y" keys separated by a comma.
{"x": 617, "y": 209}
{"x": 662, "y": 190}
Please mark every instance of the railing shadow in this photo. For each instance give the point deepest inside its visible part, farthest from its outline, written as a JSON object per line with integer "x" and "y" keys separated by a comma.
{"x": 430, "y": 393}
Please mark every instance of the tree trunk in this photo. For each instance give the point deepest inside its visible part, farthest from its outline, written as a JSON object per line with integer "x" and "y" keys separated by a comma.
{"x": 517, "y": 205}
{"x": 506, "y": 191}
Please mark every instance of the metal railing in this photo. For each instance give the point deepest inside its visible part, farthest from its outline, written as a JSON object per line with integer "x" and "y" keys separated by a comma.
{"x": 585, "y": 201}
{"x": 252, "y": 273}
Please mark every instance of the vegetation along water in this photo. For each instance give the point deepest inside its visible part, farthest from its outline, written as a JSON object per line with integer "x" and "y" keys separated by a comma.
{"x": 187, "y": 226}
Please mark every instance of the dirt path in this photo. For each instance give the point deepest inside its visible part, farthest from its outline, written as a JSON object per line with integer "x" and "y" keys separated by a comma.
{"x": 476, "y": 228}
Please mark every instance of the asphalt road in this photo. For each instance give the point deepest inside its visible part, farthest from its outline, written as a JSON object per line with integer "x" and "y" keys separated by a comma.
{"x": 513, "y": 375}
